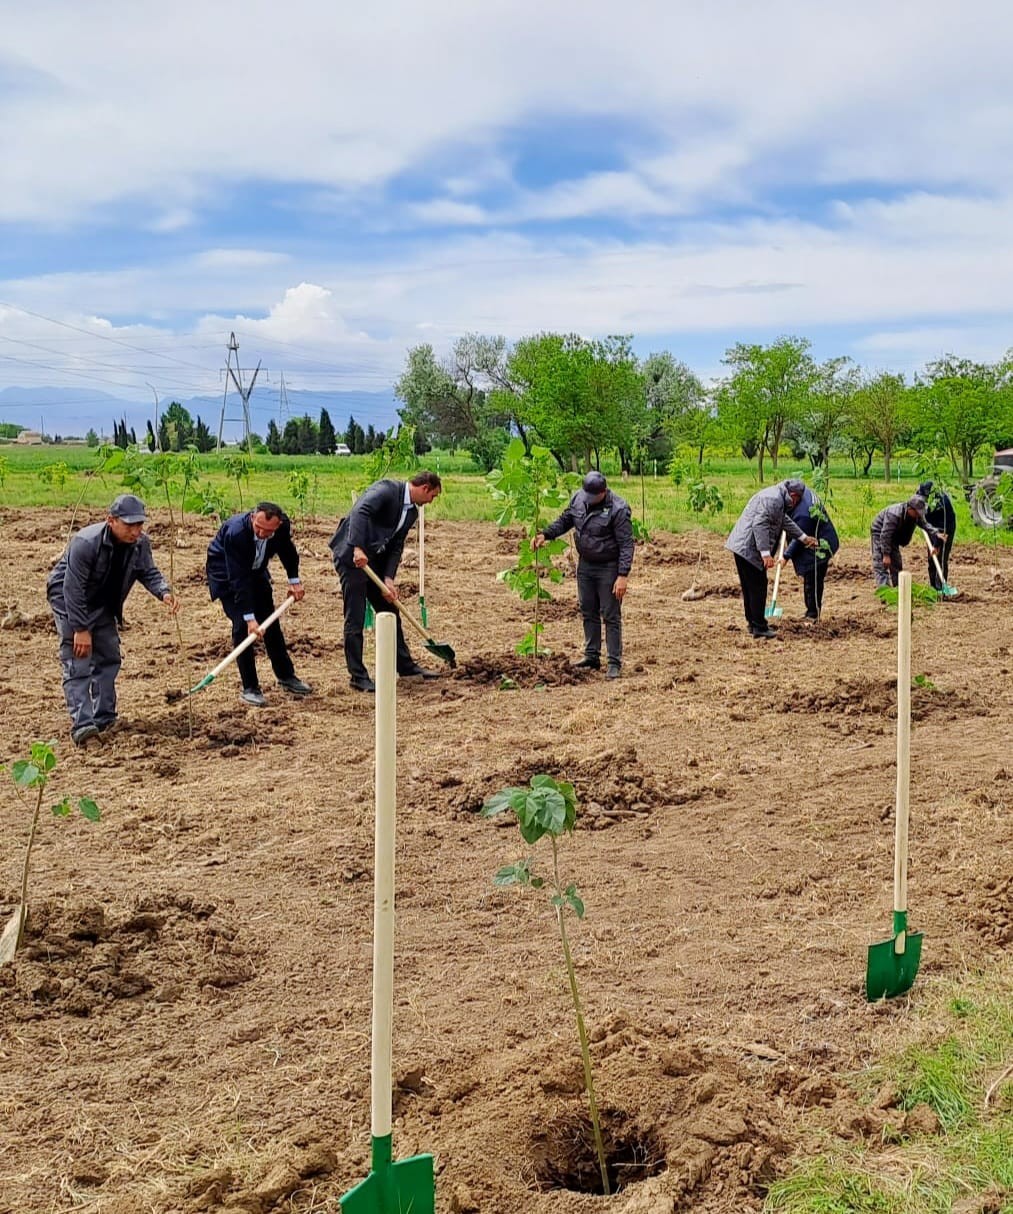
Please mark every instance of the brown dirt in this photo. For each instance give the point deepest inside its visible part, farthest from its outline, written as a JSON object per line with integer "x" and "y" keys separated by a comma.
{"x": 188, "y": 1027}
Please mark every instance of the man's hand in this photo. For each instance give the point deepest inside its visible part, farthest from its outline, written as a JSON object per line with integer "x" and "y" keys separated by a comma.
{"x": 943, "y": 536}
{"x": 359, "y": 558}
{"x": 82, "y": 644}
{"x": 936, "y": 551}
{"x": 537, "y": 541}
{"x": 254, "y": 628}
{"x": 768, "y": 562}
{"x": 887, "y": 562}
{"x": 172, "y": 603}
{"x": 810, "y": 541}
{"x": 297, "y": 592}
{"x": 391, "y": 591}
{"x": 619, "y": 587}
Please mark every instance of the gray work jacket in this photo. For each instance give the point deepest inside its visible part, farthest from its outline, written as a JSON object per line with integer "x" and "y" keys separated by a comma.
{"x": 77, "y": 586}
{"x": 759, "y": 528}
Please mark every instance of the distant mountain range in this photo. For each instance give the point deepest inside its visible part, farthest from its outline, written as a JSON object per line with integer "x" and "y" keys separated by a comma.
{"x": 74, "y": 411}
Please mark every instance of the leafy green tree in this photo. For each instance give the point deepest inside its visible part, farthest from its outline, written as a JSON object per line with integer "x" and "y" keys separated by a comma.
{"x": 767, "y": 388}
{"x": 963, "y": 407}
{"x": 203, "y": 439}
{"x": 371, "y": 440}
{"x": 179, "y": 427}
{"x": 327, "y": 440}
{"x": 355, "y": 437}
{"x": 150, "y": 441}
{"x": 290, "y": 438}
{"x": 824, "y": 415}
{"x": 676, "y": 408}
{"x": 308, "y": 438}
{"x": 882, "y": 413}
{"x": 273, "y": 438}
{"x": 91, "y": 438}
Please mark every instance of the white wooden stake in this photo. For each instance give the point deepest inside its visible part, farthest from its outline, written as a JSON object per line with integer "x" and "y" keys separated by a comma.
{"x": 383, "y": 873}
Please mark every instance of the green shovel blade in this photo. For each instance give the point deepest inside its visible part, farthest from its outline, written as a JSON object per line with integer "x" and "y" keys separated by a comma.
{"x": 443, "y": 652}
{"x": 423, "y": 611}
{"x": 405, "y": 1187}
{"x": 773, "y": 612}
{"x": 890, "y": 972}
{"x": 206, "y": 681}
{"x": 370, "y": 619}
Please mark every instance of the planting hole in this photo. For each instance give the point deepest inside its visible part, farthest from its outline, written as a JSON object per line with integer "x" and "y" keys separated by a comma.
{"x": 564, "y": 1156}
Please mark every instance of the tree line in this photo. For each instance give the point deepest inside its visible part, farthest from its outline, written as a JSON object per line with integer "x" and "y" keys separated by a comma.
{"x": 582, "y": 399}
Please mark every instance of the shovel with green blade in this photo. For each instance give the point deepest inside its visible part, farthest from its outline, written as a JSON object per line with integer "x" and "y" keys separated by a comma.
{"x": 406, "y": 1186}
{"x": 893, "y": 963}
{"x": 442, "y": 651}
{"x": 945, "y": 588}
{"x": 773, "y": 612}
{"x": 210, "y": 677}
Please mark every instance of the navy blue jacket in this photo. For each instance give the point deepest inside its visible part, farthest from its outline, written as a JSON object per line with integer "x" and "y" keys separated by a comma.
{"x": 234, "y": 549}
{"x": 803, "y": 558}
{"x": 372, "y": 525}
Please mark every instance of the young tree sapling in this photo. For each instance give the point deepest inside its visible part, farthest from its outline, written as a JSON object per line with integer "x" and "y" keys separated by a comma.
{"x": 548, "y": 807}
{"x": 34, "y": 773}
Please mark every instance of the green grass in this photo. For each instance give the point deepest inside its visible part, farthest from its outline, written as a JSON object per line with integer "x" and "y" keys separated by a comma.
{"x": 853, "y": 502}
{"x": 963, "y": 1044}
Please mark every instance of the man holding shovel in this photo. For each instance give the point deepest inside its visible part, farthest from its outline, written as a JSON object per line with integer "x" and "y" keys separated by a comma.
{"x": 86, "y": 592}
{"x": 373, "y": 534}
{"x": 754, "y": 541}
{"x": 237, "y": 575}
{"x": 892, "y": 530}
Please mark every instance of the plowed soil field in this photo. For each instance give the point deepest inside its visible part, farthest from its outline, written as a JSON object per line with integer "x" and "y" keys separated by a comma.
{"x": 187, "y": 1028}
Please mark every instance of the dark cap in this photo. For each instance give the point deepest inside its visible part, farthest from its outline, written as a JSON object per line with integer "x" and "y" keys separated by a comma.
{"x": 128, "y": 508}
{"x": 924, "y": 489}
{"x": 917, "y": 504}
{"x": 594, "y": 484}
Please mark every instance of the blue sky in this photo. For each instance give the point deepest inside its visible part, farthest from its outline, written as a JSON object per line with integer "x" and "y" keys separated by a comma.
{"x": 338, "y": 185}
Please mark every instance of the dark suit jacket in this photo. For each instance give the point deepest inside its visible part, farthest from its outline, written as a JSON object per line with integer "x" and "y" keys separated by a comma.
{"x": 231, "y": 555}
{"x": 371, "y": 525}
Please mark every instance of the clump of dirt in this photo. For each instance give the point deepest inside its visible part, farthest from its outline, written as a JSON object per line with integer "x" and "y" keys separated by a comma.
{"x": 832, "y": 628}
{"x": 524, "y": 672}
{"x": 289, "y": 1170}
{"x": 991, "y": 913}
{"x": 77, "y": 960}
{"x": 611, "y": 788}
{"x": 878, "y": 698}
{"x": 14, "y": 618}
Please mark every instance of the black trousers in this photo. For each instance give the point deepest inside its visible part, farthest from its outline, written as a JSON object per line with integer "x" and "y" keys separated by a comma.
{"x": 274, "y": 639}
{"x": 944, "y": 562}
{"x": 813, "y": 582}
{"x": 754, "y": 593}
{"x": 356, "y": 591}
{"x": 597, "y": 603}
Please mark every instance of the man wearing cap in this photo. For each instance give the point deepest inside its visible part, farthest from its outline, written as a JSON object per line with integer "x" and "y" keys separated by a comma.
{"x": 237, "y": 575}
{"x": 86, "y": 592}
{"x": 603, "y": 527}
{"x": 753, "y": 542}
{"x": 892, "y": 530}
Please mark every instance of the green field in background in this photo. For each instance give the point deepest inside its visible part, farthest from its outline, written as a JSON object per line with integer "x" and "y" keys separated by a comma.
{"x": 853, "y": 501}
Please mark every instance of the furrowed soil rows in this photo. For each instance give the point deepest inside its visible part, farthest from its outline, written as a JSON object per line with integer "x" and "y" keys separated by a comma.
{"x": 188, "y": 1028}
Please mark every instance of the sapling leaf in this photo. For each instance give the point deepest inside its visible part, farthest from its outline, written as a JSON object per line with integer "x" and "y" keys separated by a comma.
{"x": 514, "y": 874}
{"x": 89, "y": 809}
{"x": 499, "y": 801}
{"x": 25, "y": 773}
{"x": 62, "y": 808}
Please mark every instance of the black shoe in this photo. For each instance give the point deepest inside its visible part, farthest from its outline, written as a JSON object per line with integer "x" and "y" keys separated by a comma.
{"x": 417, "y": 672}
{"x": 295, "y": 687}
{"x": 365, "y": 684}
{"x": 613, "y": 671}
{"x": 106, "y": 726}
{"x": 254, "y": 697}
{"x": 83, "y": 734}
{"x": 587, "y": 664}
{"x": 762, "y": 634}
{"x": 810, "y": 615}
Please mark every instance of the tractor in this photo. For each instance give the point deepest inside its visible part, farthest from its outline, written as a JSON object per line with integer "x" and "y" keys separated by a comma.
{"x": 990, "y": 499}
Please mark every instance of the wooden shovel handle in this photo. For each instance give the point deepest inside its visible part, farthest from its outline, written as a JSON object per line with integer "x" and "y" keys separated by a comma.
{"x": 903, "y": 741}
{"x": 405, "y": 615}
{"x": 777, "y": 567}
{"x": 245, "y": 644}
